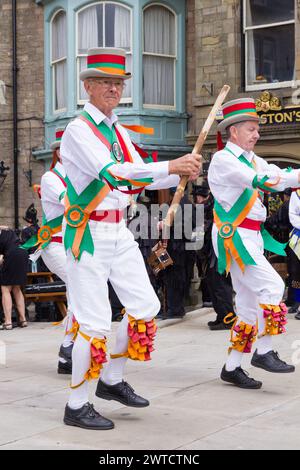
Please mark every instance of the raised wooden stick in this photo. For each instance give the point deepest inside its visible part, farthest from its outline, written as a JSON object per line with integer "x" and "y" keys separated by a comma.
{"x": 197, "y": 149}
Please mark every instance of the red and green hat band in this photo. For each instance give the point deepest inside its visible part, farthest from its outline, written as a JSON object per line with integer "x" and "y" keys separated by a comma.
{"x": 58, "y": 135}
{"x": 109, "y": 63}
{"x": 240, "y": 108}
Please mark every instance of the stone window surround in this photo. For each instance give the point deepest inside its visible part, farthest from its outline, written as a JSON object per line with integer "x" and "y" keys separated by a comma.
{"x": 264, "y": 86}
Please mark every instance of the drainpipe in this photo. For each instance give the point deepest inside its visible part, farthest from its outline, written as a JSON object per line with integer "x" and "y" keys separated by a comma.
{"x": 15, "y": 113}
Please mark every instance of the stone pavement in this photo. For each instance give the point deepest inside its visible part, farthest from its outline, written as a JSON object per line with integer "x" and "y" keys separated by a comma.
{"x": 190, "y": 407}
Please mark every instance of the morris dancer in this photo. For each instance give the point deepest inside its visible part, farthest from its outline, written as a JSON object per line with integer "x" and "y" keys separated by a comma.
{"x": 101, "y": 165}
{"x": 238, "y": 178}
{"x": 49, "y": 240}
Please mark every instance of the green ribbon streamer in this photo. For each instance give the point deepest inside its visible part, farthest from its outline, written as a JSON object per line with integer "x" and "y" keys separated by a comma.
{"x": 272, "y": 245}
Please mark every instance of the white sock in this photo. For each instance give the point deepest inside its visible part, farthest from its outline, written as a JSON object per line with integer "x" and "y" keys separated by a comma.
{"x": 264, "y": 344}
{"x": 68, "y": 339}
{"x": 114, "y": 371}
{"x": 81, "y": 360}
{"x": 234, "y": 360}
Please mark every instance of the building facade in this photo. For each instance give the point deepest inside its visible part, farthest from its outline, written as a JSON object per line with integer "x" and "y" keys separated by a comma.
{"x": 253, "y": 46}
{"x": 21, "y": 106}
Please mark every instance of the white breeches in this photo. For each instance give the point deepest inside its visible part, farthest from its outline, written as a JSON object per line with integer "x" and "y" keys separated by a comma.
{"x": 259, "y": 284}
{"x": 116, "y": 257}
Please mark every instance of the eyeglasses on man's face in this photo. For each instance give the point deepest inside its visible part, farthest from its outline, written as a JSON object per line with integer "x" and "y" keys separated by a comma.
{"x": 108, "y": 84}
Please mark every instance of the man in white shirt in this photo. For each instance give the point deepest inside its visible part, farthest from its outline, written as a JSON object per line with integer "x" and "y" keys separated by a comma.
{"x": 238, "y": 179}
{"x": 103, "y": 168}
{"x": 53, "y": 189}
{"x": 294, "y": 215}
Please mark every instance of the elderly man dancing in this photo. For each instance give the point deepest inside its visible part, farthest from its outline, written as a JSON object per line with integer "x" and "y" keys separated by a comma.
{"x": 103, "y": 168}
{"x": 238, "y": 179}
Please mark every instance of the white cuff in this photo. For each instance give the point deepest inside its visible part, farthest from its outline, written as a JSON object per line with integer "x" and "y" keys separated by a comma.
{"x": 292, "y": 179}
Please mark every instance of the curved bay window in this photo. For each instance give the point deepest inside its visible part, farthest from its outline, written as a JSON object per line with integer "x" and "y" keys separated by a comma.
{"x": 104, "y": 24}
{"x": 59, "y": 61}
{"x": 159, "y": 57}
{"x": 269, "y": 28}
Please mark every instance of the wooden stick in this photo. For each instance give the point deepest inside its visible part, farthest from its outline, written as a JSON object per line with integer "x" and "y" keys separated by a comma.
{"x": 168, "y": 222}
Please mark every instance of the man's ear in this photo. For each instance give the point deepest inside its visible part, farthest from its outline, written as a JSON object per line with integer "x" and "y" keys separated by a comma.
{"x": 87, "y": 86}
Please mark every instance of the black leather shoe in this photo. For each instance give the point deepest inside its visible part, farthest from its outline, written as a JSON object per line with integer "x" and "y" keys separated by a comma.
{"x": 121, "y": 392}
{"x": 171, "y": 316}
{"x": 66, "y": 352}
{"x": 240, "y": 378}
{"x": 271, "y": 363}
{"x": 87, "y": 417}
{"x": 64, "y": 367}
{"x": 220, "y": 325}
{"x": 297, "y": 316}
{"x": 213, "y": 323}
{"x": 294, "y": 308}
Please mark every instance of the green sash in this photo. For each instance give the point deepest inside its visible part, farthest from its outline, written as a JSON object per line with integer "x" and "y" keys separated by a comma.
{"x": 230, "y": 243}
{"x": 78, "y": 209}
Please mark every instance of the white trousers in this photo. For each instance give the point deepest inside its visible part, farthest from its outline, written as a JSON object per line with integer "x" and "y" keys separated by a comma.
{"x": 116, "y": 257}
{"x": 259, "y": 284}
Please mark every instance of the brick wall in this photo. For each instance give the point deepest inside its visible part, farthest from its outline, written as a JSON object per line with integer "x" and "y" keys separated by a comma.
{"x": 30, "y": 50}
{"x": 214, "y": 42}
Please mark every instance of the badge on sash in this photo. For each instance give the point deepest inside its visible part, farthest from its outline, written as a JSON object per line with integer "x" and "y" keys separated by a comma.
{"x": 117, "y": 152}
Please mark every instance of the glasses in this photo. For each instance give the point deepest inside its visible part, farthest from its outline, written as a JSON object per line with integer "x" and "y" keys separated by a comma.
{"x": 107, "y": 84}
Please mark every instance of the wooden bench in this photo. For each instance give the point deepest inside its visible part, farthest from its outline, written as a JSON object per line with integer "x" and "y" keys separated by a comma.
{"x": 59, "y": 297}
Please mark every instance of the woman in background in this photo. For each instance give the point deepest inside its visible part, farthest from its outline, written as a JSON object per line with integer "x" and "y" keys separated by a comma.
{"x": 12, "y": 277}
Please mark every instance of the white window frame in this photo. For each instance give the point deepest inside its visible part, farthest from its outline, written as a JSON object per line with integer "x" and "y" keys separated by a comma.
{"x": 264, "y": 86}
{"x": 54, "y": 62}
{"x": 128, "y": 100}
{"x": 165, "y": 56}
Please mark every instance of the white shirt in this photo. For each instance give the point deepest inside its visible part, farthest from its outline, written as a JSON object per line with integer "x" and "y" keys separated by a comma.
{"x": 228, "y": 177}
{"x": 52, "y": 194}
{"x": 294, "y": 210}
{"x": 84, "y": 156}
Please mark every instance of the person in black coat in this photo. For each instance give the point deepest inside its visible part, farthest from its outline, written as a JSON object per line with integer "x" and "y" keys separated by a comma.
{"x": 12, "y": 276}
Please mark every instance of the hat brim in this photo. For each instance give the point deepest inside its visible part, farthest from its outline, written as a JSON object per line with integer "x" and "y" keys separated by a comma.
{"x": 96, "y": 73}
{"x": 235, "y": 120}
{"x": 55, "y": 145}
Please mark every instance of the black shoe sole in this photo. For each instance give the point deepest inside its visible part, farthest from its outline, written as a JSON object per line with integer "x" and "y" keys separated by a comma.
{"x": 70, "y": 422}
{"x": 63, "y": 370}
{"x": 257, "y": 387}
{"x": 108, "y": 397}
{"x": 272, "y": 370}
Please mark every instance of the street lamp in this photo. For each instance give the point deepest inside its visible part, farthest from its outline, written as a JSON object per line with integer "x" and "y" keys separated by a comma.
{"x": 3, "y": 173}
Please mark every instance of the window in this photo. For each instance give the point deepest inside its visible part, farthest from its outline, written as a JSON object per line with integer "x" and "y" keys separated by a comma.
{"x": 159, "y": 57}
{"x": 104, "y": 24}
{"x": 269, "y": 27}
{"x": 59, "y": 60}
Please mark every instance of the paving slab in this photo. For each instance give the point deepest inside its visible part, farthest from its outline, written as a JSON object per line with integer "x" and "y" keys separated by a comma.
{"x": 191, "y": 409}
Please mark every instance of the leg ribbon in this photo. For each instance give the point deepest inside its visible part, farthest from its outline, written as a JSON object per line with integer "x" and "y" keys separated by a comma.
{"x": 74, "y": 329}
{"x": 98, "y": 358}
{"x": 275, "y": 317}
{"x": 244, "y": 338}
{"x": 140, "y": 340}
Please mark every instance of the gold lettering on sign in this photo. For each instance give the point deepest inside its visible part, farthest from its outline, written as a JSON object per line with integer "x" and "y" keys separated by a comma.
{"x": 280, "y": 117}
